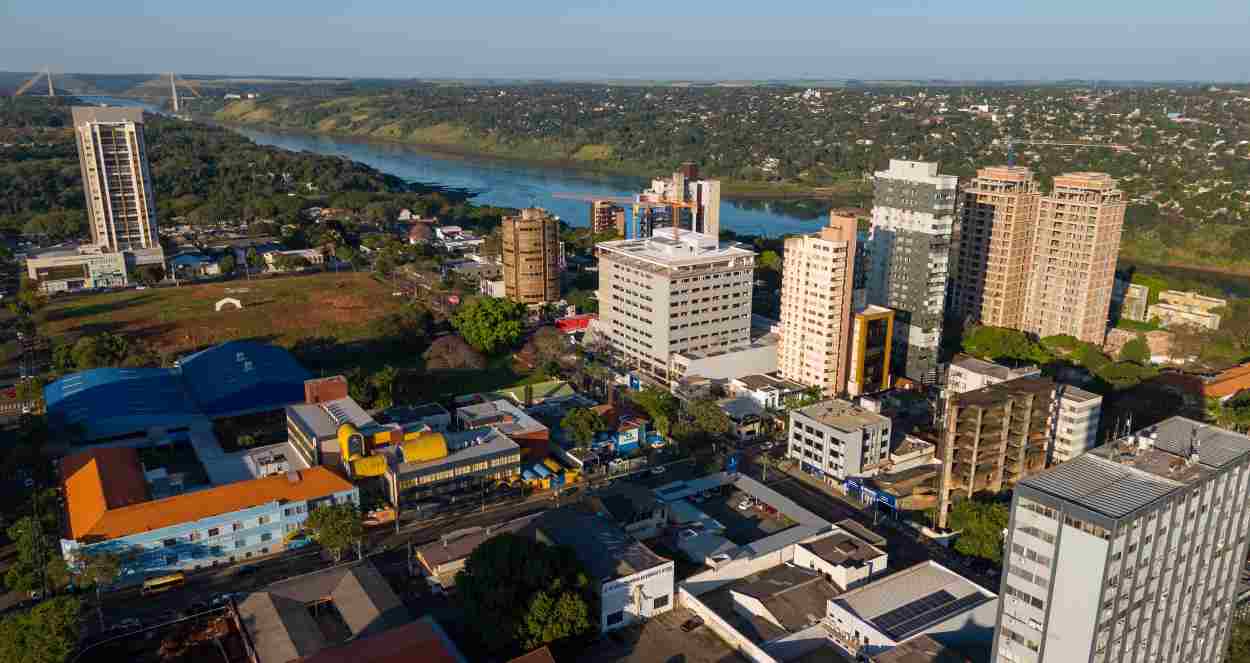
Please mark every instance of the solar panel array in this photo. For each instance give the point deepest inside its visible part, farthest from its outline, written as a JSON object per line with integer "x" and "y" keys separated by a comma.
{"x": 906, "y": 620}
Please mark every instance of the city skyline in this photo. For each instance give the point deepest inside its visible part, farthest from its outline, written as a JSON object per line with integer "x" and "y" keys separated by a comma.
{"x": 805, "y": 40}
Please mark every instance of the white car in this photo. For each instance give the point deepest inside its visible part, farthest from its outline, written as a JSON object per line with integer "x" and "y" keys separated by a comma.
{"x": 746, "y": 504}
{"x": 767, "y": 446}
{"x": 658, "y": 470}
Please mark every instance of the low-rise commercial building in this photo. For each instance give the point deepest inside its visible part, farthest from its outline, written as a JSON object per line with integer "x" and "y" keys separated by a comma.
{"x": 444, "y": 559}
{"x": 635, "y": 508}
{"x": 632, "y": 582}
{"x": 836, "y": 439}
{"x": 1186, "y": 308}
{"x": 74, "y": 268}
{"x": 926, "y": 599}
{"x": 510, "y": 420}
{"x": 770, "y": 390}
{"x": 439, "y": 466}
{"x": 108, "y": 510}
{"x": 842, "y": 558}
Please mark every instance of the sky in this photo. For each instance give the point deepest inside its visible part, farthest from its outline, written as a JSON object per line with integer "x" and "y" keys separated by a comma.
{"x": 1203, "y": 40}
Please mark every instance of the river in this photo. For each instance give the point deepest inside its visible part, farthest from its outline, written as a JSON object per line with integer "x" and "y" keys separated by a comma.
{"x": 507, "y": 183}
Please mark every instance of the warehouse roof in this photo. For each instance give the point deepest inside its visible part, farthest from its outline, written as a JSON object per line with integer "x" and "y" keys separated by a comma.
{"x": 243, "y": 375}
{"x": 112, "y": 401}
{"x": 92, "y": 518}
{"x": 912, "y": 600}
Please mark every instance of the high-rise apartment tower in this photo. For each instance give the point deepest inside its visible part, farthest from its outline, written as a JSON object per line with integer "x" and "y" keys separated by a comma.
{"x": 121, "y": 210}
{"x": 990, "y": 275}
{"x": 1075, "y": 246}
{"x": 913, "y": 215}
{"x": 531, "y": 257}
{"x": 1128, "y": 553}
{"x": 607, "y": 216}
{"x": 816, "y": 290}
{"x": 677, "y": 291}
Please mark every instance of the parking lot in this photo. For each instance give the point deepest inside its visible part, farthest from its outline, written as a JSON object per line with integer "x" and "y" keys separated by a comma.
{"x": 743, "y": 526}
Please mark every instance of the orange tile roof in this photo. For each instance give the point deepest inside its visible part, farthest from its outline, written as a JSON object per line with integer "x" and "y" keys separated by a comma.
{"x": 187, "y": 507}
{"x": 98, "y": 480}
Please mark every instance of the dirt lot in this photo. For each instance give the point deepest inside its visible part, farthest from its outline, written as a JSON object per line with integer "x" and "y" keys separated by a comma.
{"x": 179, "y": 320}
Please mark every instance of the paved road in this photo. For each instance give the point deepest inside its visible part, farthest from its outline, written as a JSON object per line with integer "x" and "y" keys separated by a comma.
{"x": 906, "y": 546}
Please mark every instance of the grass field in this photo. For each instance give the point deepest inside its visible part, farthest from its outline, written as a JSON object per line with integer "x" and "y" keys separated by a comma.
{"x": 179, "y": 320}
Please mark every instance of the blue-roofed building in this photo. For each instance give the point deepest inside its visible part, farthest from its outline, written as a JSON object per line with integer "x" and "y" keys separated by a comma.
{"x": 114, "y": 403}
{"x": 243, "y": 376}
{"x": 128, "y": 404}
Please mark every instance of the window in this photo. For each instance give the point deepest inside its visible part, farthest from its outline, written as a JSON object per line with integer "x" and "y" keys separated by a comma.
{"x": 616, "y": 617}
{"x": 170, "y": 543}
{"x": 660, "y": 602}
{"x": 262, "y": 520}
{"x": 214, "y": 531}
{"x": 237, "y": 526}
{"x": 267, "y": 536}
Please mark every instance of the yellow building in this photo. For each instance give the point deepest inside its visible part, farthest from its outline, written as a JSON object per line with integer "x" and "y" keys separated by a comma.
{"x": 872, "y": 333}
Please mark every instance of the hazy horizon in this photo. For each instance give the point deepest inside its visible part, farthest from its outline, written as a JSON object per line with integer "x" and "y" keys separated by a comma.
{"x": 970, "y": 40}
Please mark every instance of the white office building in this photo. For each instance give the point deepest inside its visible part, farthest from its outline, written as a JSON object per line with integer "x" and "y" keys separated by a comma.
{"x": 1130, "y": 552}
{"x": 677, "y": 291}
{"x": 836, "y": 439}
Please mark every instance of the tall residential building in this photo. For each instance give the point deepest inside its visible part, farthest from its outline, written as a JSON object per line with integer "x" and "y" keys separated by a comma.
{"x": 1130, "y": 552}
{"x": 990, "y": 275}
{"x": 676, "y": 291}
{"x": 1074, "y": 423}
{"x": 686, "y": 186}
{"x": 816, "y": 306}
{"x": 992, "y": 438}
{"x": 913, "y": 214}
{"x": 531, "y": 257}
{"x": 1075, "y": 245}
{"x": 607, "y": 216}
{"x": 121, "y": 209}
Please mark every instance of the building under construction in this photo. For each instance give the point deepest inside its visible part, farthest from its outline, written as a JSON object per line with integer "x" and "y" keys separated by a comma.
{"x": 992, "y": 438}
{"x": 701, "y": 197}
{"x": 607, "y": 216}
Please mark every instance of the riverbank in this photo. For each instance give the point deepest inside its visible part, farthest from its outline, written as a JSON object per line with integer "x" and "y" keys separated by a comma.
{"x": 848, "y": 193}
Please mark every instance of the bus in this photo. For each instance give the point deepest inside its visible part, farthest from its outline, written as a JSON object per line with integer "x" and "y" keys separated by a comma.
{"x": 162, "y": 584}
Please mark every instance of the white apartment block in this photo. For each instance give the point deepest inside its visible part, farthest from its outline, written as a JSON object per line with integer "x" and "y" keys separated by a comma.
{"x": 836, "y": 439}
{"x": 1130, "y": 552}
{"x": 913, "y": 217}
{"x": 967, "y": 373}
{"x": 1075, "y": 419}
{"x": 816, "y": 291}
{"x": 677, "y": 291}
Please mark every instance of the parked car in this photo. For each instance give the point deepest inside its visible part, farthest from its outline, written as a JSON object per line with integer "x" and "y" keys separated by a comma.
{"x": 658, "y": 470}
{"x": 767, "y": 446}
{"x": 687, "y": 534}
{"x": 691, "y": 624}
{"x": 746, "y": 504}
{"x": 129, "y": 624}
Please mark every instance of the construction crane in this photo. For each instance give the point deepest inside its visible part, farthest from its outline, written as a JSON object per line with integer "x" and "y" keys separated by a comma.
{"x": 174, "y": 81}
{"x": 636, "y": 203}
{"x": 1013, "y": 142}
{"x": 46, "y": 73}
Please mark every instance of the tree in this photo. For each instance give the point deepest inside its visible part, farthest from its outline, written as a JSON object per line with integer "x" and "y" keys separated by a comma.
{"x": 384, "y": 382}
{"x": 769, "y": 260}
{"x": 980, "y": 525}
{"x": 337, "y": 527}
{"x": 25, "y": 574}
{"x": 48, "y": 633}
{"x": 660, "y": 406}
{"x": 150, "y": 274}
{"x": 253, "y": 259}
{"x": 361, "y": 388}
{"x": 546, "y": 346}
{"x": 996, "y": 343}
{"x": 1136, "y": 351}
{"x": 450, "y": 352}
{"x": 228, "y": 264}
{"x": 530, "y": 593}
{"x": 490, "y": 324}
{"x": 582, "y": 423}
{"x": 246, "y": 441}
{"x": 97, "y": 570}
{"x": 101, "y": 350}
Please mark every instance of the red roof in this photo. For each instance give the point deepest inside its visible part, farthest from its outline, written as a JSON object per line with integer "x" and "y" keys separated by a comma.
{"x": 423, "y": 640}
{"x": 574, "y": 323}
{"x": 99, "y": 480}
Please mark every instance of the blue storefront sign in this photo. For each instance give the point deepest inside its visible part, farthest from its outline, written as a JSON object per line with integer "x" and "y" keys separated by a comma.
{"x": 888, "y": 500}
{"x": 634, "y": 383}
{"x": 731, "y": 463}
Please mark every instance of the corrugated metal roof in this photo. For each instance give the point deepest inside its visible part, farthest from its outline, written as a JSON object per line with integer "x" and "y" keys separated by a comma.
{"x": 243, "y": 375}
{"x": 1119, "y": 478}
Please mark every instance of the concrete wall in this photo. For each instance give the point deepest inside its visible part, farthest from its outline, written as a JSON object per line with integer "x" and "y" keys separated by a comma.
{"x": 1080, "y": 562}
{"x": 747, "y": 649}
{"x": 712, "y": 579}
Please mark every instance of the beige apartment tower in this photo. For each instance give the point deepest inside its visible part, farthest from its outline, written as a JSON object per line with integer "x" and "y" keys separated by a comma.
{"x": 995, "y": 238}
{"x": 607, "y": 216}
{"x": 121, "y": 210}
{"x": 1075, "y": 246}
{"x": 531, "y": 257}
{"x": 816, "y": 306}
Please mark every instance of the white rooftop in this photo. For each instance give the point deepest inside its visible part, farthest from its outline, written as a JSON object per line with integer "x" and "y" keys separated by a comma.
{"x": 674, "y": 247}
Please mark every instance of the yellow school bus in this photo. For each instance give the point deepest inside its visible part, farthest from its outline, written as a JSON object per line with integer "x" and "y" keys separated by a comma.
{"x": 162, "y": 584}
